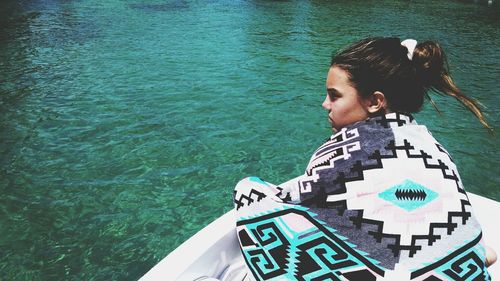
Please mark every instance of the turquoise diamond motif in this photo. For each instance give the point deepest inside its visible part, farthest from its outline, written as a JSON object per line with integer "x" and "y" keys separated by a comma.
{"x": 408, "y": 195}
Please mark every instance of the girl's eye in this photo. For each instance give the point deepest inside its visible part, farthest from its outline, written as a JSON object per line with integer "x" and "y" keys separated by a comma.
{"x": 333, "y": 96}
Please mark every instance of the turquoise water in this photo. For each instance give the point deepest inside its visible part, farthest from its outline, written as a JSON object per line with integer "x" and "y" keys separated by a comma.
{"x": 125, "y": 124}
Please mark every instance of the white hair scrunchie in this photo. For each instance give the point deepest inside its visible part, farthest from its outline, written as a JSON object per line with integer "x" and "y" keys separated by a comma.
{"x": 410, "y": 44}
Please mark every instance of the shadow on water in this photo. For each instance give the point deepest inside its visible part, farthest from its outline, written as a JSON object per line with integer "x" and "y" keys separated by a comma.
{"x": 175, "y": 5}
{"x": 33, "y": 37}
{"x": 487, "y": 11}
{"x": 491, "y": 3}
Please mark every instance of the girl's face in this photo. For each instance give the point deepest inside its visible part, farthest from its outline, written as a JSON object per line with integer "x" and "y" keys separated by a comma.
{"x": 342, "y": 101}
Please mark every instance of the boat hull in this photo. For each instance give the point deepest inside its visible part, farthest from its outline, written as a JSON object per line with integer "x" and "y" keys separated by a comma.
{"x": 214, "y": 251}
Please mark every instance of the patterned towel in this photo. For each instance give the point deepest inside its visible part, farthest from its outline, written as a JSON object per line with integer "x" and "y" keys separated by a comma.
{"x": 379, "y": 200}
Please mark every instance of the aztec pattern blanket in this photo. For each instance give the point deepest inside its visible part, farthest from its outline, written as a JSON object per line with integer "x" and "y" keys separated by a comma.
{"x": 380, "y": 200}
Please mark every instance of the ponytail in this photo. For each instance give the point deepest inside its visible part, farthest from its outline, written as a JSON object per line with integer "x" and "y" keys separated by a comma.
{"x": 431, "y": 68}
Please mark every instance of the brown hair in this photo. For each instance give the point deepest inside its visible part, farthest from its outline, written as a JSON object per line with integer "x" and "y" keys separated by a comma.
{"x": 382, "y": 64}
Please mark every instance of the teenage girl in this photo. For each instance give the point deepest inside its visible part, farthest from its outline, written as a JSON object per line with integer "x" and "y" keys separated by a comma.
{"x": 381, "y": 199}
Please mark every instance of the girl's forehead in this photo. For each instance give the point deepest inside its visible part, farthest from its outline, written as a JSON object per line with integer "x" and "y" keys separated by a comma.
{"x": 337, "y": 76}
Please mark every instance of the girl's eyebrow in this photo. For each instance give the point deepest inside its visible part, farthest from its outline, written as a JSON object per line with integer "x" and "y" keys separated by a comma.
{"x": 332, "y": 91}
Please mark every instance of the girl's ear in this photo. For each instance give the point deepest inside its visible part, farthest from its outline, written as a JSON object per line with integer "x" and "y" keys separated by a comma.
{"x": 376, "y": 102}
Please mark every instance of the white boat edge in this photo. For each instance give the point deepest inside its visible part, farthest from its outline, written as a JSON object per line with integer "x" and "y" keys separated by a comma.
{"x": 208, "y": 253}
{"x": 212, "y": 250}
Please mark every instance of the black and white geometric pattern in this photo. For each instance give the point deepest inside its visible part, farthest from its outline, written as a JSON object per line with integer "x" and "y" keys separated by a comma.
{"x": 381, "y": 198}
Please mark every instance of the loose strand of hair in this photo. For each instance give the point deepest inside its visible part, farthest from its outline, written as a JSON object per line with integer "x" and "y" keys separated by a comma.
{"x": 433, "y": 103}
{"x": 449, "y": 88}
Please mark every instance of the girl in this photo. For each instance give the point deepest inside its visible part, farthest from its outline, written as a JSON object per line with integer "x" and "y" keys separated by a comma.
{"x": 381, "y": 199}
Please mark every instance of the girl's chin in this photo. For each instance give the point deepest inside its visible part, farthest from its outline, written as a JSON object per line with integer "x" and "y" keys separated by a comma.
{"x": 335, "y": 130}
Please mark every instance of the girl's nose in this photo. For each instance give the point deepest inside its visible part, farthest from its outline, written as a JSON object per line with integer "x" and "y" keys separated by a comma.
{"x": 326, "y": 103}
